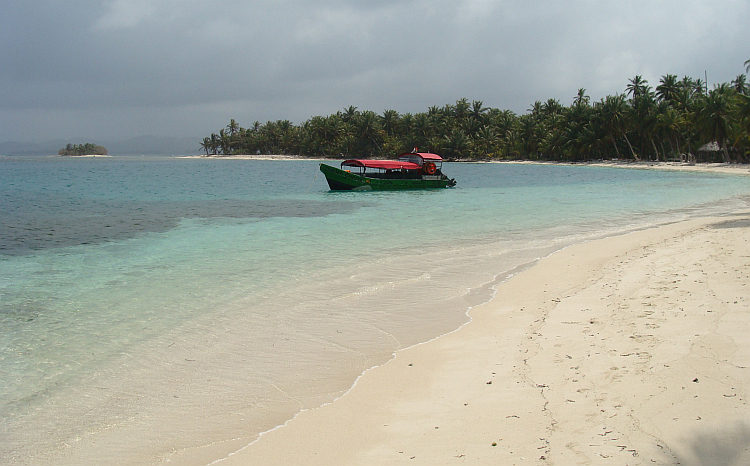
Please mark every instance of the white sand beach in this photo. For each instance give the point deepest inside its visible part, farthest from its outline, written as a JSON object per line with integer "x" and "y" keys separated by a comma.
{"x": 626, "y": 350}
{"x": 724, "y": 168}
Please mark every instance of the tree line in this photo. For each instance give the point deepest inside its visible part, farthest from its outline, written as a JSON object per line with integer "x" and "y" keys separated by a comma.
{"x": 83, "y": 149}
{"x": 679, "y": 119}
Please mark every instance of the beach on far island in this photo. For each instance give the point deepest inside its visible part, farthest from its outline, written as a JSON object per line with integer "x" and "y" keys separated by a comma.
{"x": 726, "y": 168}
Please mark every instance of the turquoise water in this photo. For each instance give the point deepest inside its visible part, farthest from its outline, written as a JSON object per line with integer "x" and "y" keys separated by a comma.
{"x": 149, "y": 305}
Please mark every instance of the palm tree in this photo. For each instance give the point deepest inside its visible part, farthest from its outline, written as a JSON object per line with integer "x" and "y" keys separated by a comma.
{"x": 232, "y": 127}
{"x": 390, "y": 122}
{"x": 740, "y": 84}
{"x": 407, "y": 127}
{"x": 670, "y": 123}
{"x": 747, "y": 66}
{"x": 715, "y": 119}
{"x": 349, "y": 113}
{"x": 536, "y": 109}
{"x": 637, "y": 87}
{"x": 505, "y": 124}
{"x": 581, "y": 99}
{"x": 667, "y": 88}
{"x": 422, "y": 129}
{"x": 528, "y": 137}
{"x": 214, "y": 144}
{"x": 477, "y": 110}
{"x": 614, "y": 111}
{"x": 577, "y": 118}
{"x": 461, "y": 109}
{"x": 369, "y": 132}
{"x": 552, "y": 107}
{"x": 206, "y": 144}
{"x": 642, "y": 117}
{"x": 701, "y": 87}
{"x": 286, "y": 137}
{"x": 323, "y": 134}
{"x": 743, "y": 112}
{"x": 592, "y": 138}
{"x": 456, "y": 144}
{"x": 486, "y": 141}
{"x": 224, "y": 142}
{"x": 554, "y": 138}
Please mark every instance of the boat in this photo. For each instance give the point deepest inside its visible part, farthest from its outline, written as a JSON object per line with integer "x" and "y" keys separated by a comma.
{"x": 412, "y": 170}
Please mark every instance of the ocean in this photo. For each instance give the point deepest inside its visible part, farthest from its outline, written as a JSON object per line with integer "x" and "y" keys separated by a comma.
{"x": 156, "y": 305}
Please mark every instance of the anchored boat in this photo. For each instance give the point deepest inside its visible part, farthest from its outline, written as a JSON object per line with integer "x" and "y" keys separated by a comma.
{"x": 413, "y": 170}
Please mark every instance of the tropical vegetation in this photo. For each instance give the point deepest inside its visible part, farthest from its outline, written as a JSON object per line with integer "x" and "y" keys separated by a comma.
{"x": 83, "y": 149}
{"x": 679, "y": 119}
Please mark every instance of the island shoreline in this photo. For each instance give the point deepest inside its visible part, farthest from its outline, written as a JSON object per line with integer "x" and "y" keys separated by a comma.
{"x": 725, "y": 168}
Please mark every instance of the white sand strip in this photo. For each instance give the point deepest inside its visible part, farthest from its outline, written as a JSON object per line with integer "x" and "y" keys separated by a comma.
{"x": 628, "y": 350}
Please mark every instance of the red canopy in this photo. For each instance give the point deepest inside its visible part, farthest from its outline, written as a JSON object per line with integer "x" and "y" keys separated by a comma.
{"x": 428, "y": 156}
{"x": 384, "y": 164}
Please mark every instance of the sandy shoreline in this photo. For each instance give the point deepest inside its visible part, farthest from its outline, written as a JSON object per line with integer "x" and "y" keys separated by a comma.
{"x": 631, "y": 349}
{"x": 725, "y": 168}
{"x": 733, "y": 169}
{"x": 627, "y": 350}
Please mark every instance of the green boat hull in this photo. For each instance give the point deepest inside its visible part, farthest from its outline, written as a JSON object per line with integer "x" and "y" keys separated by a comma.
{"x": 342, "y": 180}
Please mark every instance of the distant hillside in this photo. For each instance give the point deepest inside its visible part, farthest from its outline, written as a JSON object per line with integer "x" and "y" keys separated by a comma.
{"x": 141, "y": 145}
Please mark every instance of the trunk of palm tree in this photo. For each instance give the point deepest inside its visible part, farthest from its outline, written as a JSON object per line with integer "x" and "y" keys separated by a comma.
{"x": 671, "y": 148}
{"x": 631, "y": 147}
{"x": 678, "y": 149}
{"x": 689, "y": 156}
{"x": 725, "y": 152}
{"x": 614, "y": 143}
{"x": 656, "y": 150}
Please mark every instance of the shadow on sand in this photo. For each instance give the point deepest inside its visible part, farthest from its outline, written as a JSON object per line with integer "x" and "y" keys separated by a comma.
{"x": 736, "y": 223}
{"x": 729, "y": 446}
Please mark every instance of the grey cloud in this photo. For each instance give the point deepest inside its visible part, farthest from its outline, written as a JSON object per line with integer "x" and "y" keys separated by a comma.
{"x": 184, "y": 67}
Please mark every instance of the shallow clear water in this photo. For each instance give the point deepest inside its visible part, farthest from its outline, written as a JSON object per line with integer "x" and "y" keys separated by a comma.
{"x": 153, "y": 304}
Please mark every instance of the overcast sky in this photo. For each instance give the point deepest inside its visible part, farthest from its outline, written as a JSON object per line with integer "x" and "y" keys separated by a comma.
{"x": 115, "y": 69}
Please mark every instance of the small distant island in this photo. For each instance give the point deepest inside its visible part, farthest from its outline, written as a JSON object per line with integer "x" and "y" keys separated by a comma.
{"x": 82, "y": 149}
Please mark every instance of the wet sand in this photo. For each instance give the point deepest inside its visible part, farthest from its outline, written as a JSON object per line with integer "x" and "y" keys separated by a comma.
{"x": 626, "y": 350}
